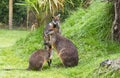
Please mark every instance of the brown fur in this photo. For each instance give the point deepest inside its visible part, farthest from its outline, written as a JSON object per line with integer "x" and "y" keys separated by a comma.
{"x": 54, "y": 24}
{"x": 65, "y": 49}
{"x": 37, "y": 59}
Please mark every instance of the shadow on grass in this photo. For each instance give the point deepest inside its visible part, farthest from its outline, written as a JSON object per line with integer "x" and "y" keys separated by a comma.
{"x": 59, "y": 65}
{"x": 46, "y": 67}
{"x": 13, "y": 69}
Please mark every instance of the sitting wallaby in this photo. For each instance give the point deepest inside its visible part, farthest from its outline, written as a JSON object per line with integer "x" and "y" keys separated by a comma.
{"x": 38, "y": 58}
{"x": 65, "y": 48}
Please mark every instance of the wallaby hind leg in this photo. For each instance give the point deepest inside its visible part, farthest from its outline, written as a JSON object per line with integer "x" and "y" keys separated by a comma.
{"x": 49, "y": 62}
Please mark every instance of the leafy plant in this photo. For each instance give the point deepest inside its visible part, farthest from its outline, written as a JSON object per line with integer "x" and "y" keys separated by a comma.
{"x": 44, "y": 8}
{"x": 17, "y": 19}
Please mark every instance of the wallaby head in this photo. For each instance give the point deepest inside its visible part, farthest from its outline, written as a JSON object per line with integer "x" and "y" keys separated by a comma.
{"x": 55, "y": 24}
{"x": 56, "y": 21}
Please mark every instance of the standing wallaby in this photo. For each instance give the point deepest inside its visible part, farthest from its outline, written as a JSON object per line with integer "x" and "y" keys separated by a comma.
{"x": 55, "y": 22}
{"x": 65, "y": 48}
{"x": 38, "y": 58}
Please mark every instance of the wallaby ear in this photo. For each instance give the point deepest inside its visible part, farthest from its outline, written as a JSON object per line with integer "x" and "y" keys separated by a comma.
{"x": 58, "y": 15}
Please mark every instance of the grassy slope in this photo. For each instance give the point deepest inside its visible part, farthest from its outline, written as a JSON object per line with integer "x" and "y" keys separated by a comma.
{"x": 88, "y": 29}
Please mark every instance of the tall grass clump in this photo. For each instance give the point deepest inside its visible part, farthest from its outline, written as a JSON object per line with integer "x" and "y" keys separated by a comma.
{"x": 90, "y": 28}
{"x": 31, "y": 43}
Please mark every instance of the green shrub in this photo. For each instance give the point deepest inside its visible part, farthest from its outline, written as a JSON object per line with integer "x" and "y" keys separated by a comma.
{"x": 31, "y": 43}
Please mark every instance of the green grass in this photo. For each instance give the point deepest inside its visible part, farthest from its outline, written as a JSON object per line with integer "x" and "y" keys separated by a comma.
{"x": 8, "y": 38}
{"x": 89, "y": 29}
